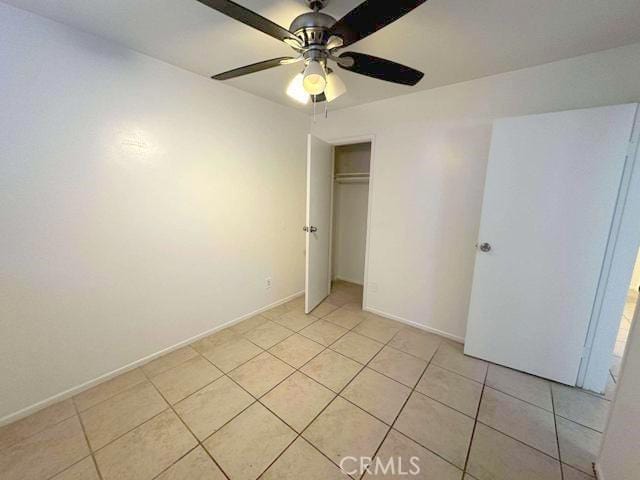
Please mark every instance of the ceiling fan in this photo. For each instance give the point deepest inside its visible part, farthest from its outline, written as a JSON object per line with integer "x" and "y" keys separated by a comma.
{"x": 317, "y": 39}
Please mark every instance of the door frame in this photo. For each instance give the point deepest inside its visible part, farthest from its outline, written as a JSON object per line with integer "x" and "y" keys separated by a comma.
{"x": 617, "y": 268}
{"x": 336, "y": 142}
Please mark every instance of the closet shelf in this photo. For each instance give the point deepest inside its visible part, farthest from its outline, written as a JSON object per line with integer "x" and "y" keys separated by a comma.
{"x": 352, "y": 177}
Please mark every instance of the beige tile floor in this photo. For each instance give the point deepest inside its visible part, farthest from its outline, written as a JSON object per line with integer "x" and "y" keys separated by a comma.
{"x": 286, "y": 395}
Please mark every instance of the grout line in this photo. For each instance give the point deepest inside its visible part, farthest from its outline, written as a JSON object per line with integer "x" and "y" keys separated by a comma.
{"x": 518, "y": 440}
{"x": 412, "y": 393}
{"x": 475, "y": 423}
{"x": 492, "y": 387}
{"x": 298, "y": 435}
{"x": 342, "y": 390}
{"x": 198, "y": 443}
{"x": 177, "y": 460}
{"x": 16, "y": 442}
{"x": 404, "y": 404}
{"x": 86, "y": 438}
{"x": 578, "y": 423}
{"x": 258, "y": 400}
{"x": 555, "y": 424}
{"x": 118, "y": 392}
{"x": 66, "y": 469}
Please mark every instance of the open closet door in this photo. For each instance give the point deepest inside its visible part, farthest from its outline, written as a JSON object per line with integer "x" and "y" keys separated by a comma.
{"x": 551, "y": 190}
{"x": 318, "y": 226}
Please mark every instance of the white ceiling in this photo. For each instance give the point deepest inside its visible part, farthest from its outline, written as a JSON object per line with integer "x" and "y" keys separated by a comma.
{"x": 450, "y": 40}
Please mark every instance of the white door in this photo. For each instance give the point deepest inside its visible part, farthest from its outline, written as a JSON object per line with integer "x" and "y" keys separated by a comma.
{"x": 318, "y": 226}
{"x": 550, "y": 193}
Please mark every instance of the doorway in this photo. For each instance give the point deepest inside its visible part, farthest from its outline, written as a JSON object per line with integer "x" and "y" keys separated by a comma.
{"x": 350, "y": 206}
{"x": 625, "y": 321}
{"x": 339, "y": 186}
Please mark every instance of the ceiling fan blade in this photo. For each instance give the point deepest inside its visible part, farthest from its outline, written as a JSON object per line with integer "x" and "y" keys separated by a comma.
{"x": 379, "y": 68}
{"x": 252, "y": 19}
{"x": 369, "y": 17}
{"x": 253, "y": 68}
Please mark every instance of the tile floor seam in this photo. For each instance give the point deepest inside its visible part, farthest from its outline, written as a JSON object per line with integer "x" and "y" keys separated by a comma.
{"x": 413, "y": 390}
{"x": 427, "y": 449}
{"x": 190, "y": 345}
{"x": 524, "y": 444}
{"x": 326, "y": 346}
{"x": 65, "y": 469}
{"x": 110, "y": 396}
{"x": 445, "y": 404}
{"x": 128, "y": 431}
{"x": 555, "y": 425}
{"x": 518, "y": 440}
{"x": 86, "y": 438}
{"x": 475, "y": 424}
{"x": 240, "y": 364}
{"x": 293, "y": 332}
{"x": 578, "y": 423}
{"x": 460, "y": 375}
{"x": 176, "y": 461}
{"x": 75, "y": 412}
{"x": 299, "y": 434}
{"x": 198, "y": 443}
{"x": 292, "y": 366}
{"x": 518, "y": 398}
{"x": 391, "y": 378}
{"x": 324, "y": 408}
{"x": 192, "y": 393}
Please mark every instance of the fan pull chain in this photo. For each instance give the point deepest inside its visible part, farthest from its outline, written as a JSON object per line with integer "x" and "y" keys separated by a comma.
{"x": 314, "y": 109}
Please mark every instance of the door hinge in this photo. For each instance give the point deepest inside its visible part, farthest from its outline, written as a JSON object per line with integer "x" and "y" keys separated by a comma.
{"x": 633, "y": 146}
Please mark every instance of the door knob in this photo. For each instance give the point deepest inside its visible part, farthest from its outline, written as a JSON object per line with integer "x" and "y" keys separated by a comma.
{"x": 485, "y": 247}
{"x": 310, "y": 229}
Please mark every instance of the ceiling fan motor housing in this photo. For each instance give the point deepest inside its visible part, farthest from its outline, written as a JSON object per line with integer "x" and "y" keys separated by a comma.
{"x": 312, "y": 28}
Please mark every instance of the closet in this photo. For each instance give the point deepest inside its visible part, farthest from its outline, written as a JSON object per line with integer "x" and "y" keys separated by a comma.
{"x": 350, "y": 211}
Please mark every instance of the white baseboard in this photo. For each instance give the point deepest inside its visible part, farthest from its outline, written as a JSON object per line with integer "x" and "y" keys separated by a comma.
{"x": 349, "y": 280}
{"x": 25, "y": 412}
{"x": 414, "y": 324}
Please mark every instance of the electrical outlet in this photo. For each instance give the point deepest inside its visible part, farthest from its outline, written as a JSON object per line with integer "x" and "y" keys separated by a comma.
{"x": 267, "y": 283}
{"x": 373, "y": 287}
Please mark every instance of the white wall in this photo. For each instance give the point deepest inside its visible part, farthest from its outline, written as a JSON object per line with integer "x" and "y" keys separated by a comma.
{"x": 140, "y": 205}
{"x": 431, "y": 150}
{"x": 349, "y": 230}
{"x": 619, "y": 459}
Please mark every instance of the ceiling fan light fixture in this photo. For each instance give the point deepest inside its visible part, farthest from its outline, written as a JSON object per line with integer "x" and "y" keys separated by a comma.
{"x": 314, "y": 78}
{"x": 335, "y": 86}
{"x": 296, "y": 90}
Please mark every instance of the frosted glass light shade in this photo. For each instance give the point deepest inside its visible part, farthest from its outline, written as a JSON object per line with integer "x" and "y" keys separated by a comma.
{"x": 335, "y": 87}
{"x": 296, "y": 90}
{"x": 314, "y": 80}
